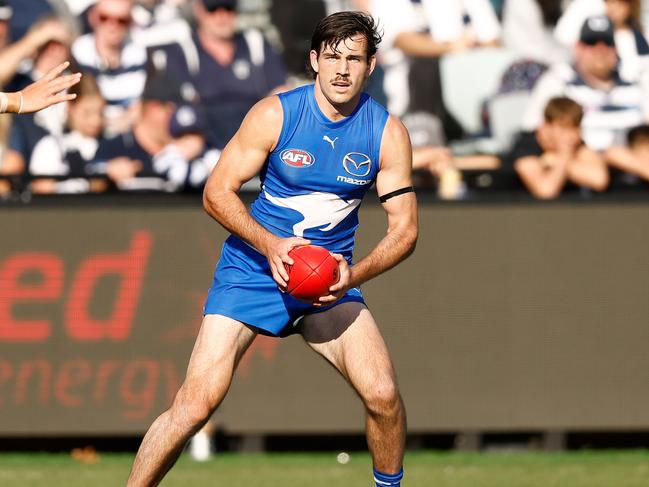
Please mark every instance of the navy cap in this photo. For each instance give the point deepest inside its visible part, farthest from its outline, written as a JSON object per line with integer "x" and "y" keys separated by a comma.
{"x": 187, "y": 119}
{"x": 5, "y": 10}
{"x": 597, "y": 29}
{"x": 212, "y": 5}
{"x": 160, "y": 87}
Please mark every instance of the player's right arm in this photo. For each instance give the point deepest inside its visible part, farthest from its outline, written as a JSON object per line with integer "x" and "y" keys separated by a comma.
{"x": 241, "y": 160}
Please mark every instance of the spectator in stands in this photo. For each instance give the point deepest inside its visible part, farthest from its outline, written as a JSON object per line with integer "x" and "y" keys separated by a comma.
{"x": 414, "y": 34}
{"x": 186, "y": 162}
{"x": 5, "y": 16}
{"x": 141, "y": 160}
{"x": 61, "y": 163}
{"x": 229, "y": 70}
{"x": 435, "y": 165}
{"x": 26, "y": 13}
{"x": 27, "y": 130}
{"x": 49, "y": 29}
{"x": 630, "y": 163}
{"x": 528, "y": 29}
{"x": 295, "y": 22}
{"x": 473, "y": 21}
{"x": 158, "y": 22}
{"x": 118, "y": 63}
{"x": 630, "y": 42}
{"x": 555, "y": 156}
{"x": 611, "y": 105}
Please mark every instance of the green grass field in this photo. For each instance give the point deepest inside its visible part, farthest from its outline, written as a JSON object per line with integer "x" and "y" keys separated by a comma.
{"x": 423, "y": 469}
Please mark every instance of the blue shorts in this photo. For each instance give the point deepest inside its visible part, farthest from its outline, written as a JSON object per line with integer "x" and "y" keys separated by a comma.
{"x": 244, "y": 289}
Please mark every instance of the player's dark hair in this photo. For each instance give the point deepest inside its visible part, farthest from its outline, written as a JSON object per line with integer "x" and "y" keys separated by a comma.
{"x": 638, "y": 135}
{"x": 335, "y": 28}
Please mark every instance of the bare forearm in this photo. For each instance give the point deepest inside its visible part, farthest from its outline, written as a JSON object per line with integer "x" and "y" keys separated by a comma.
{"x": 624, "y": 160}
{"x": 589, "y": 176}
{"x": 396, "y": 246}
{"x": 543, "y": 181}
{"x": 420, "y": 44}
{"x": 227, "y": 208}
{"x": 13, "y": 55}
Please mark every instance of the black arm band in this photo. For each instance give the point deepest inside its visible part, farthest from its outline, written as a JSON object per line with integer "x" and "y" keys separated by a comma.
{"x": 392, "y": 194}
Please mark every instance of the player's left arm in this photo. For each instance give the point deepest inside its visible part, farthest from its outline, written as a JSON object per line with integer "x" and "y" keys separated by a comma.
{"x": 394, "y": 185}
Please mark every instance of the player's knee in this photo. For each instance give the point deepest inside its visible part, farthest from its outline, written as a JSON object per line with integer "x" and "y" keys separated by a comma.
{"x": 191, "y": 411}
{"x": 382, "y": 397}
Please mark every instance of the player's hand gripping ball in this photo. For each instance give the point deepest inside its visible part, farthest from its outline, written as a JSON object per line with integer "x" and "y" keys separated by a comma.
{"x": 313, "y": 272}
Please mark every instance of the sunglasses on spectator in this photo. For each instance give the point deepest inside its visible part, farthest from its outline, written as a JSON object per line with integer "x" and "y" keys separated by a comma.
{"x": 213, "y": 8}
{"x": 595, "y": 41}
{"x": 123, "y": 21}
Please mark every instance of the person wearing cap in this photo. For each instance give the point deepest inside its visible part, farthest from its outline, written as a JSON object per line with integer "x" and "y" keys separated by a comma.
{"x": 229, "y": 70}
{"x": 133, "y": 160}
{"x": 186, "y": 161}
{"x": 611, "y": 105}
{"x": 626, "y": 15}
{"x": 118, "y": 63}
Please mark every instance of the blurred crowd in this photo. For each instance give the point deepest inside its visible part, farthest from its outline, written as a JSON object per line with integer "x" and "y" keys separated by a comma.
{"x": 540, "y": 96}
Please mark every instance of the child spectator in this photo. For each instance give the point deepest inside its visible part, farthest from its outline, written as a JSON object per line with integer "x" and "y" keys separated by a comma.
{"x": 70, "y": 155}
{"x": 630, "y": 164}
{"x": 555, "y": 155}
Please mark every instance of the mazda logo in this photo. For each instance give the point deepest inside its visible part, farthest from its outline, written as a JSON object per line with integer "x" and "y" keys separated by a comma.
{"x": 357, "y": 164}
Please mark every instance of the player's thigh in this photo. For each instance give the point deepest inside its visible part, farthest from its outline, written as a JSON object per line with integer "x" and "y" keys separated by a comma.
{"x": 347, "y": 336}
{"x": 220, "y": 344}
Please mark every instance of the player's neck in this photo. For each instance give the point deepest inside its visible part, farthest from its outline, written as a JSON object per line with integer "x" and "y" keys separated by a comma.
{"x": 334, "y": 111}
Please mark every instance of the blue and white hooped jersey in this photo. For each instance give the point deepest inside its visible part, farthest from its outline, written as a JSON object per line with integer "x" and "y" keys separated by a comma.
{"x": 314, "y": 180}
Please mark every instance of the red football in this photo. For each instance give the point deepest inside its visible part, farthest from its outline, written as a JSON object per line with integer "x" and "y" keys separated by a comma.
{"x": 314, "y": 270}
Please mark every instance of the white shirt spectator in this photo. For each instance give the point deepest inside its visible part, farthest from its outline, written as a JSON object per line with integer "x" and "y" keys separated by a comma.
{"x": 118, "y": 86}
{"x": 569, "y": 25}
{"x": 608, "y": 115}
{"x": 525, "y": 32}
{"x": 446, "y": 20}
{"x": 394, "y": 17}
{"x": 50, "y": 155}
{"x": 77, "y": 7}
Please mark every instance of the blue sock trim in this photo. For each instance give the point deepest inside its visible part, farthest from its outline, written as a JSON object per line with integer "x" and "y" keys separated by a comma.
{"x": 386, "y": 479}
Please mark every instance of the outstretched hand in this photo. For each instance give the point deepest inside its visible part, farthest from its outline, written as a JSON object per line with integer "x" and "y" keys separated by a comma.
{"x": 48, "y": 90}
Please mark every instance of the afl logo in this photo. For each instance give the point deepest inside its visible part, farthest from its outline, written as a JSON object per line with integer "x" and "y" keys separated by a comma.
{"x": 357, "y": 164}
{"x": 297, "y": 158}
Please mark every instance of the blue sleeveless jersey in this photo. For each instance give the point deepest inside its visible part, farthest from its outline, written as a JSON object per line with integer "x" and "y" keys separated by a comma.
{"x": 312, "y": 186}
{"x": 314, "y": 180}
